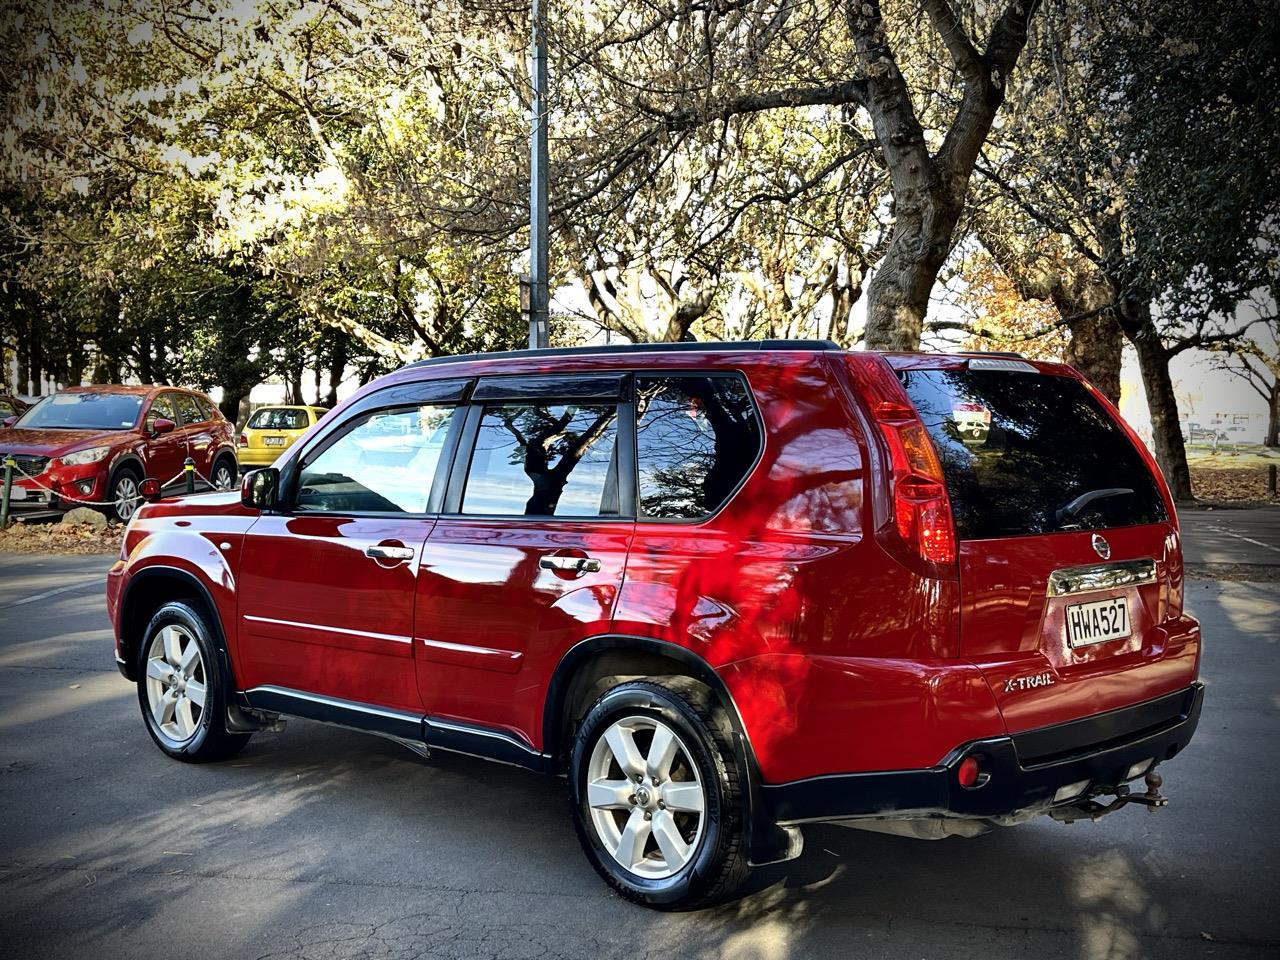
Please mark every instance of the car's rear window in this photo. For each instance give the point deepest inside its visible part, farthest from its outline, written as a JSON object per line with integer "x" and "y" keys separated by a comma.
{"x": 1031, "y": 453}
{"x": 276, "y": 418}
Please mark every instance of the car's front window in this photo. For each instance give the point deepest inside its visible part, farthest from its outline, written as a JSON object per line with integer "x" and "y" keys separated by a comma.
{"x": 83, "y": 411}
{"x": 383, "y": 464}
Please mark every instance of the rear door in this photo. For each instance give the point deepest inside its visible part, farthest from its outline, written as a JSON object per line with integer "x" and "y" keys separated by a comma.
{"x": 198, "y": 432}
{"x": 529, "y": 554}
{"x": 275, "y": 429}
{"x": 1069, "y": 556}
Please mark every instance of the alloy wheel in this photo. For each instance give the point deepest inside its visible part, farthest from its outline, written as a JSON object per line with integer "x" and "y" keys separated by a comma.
{"x": 222, "y": 478}
{"x": 176, "y": 682}
{"x": 646, "y": 799}
{"x": 126, "y": 500}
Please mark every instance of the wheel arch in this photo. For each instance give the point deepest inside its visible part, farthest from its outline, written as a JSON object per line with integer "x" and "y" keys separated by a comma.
{"x": 574, "y": 686}
{"x": 147, "y": 590}
{"x": 128, "y": 461}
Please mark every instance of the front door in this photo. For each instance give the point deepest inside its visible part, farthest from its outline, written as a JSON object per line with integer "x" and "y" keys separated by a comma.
{"x": 165, "y": 452}
{"x": 328, "y": 584}
{"x": 529, "y": 556}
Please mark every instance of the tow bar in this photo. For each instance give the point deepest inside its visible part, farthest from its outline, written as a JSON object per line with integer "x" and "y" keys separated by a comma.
{"x": 1093, "y": 810}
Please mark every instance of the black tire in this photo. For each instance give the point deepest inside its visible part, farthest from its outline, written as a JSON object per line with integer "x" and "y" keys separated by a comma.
{"x": 210, "y": 740}
{"x": 233, "y": 472}
{"x": 717, "y": 865}
{"x": 125, "y": 474}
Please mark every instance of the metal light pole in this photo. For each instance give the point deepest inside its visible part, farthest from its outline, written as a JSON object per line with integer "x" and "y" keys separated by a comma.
{"x": 539, "y": 290}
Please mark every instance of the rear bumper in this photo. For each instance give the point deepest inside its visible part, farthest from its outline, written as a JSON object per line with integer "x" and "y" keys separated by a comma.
{"x": 1024, "y": 771}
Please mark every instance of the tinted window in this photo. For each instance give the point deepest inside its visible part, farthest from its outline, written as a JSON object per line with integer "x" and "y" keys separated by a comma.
{"x": 207, "y": 408}
{"x": 1027, "y": 453}
{"x": 276, "y": 418}
{"x": 547, "y": 460}
{"x": 385, "y": 464}
{"x": 190, "y": 410}
{"x": 696, "y": 438}
{"x": 84, "y": 411}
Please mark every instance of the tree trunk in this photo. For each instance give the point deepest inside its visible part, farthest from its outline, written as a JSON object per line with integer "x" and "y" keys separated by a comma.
{"x": 1095, "y": 350}
{"x": 230, "y": 405}
{"x": 898, "y": 295}
{"x": 337, "y": 367}
{"x": 1273, "y": 419}
{"x": 1166, "y": 435}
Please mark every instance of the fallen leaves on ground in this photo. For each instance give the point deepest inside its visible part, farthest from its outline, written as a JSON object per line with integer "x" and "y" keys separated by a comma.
{"x": 60, "y": 538}
{"x": 1227, "y": 483}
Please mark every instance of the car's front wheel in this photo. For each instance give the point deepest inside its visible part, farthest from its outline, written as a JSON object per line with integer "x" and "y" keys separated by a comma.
{"x": 182, "y": 688}
{"x": 124, "y": 495}
{"x": 656, "y": 794}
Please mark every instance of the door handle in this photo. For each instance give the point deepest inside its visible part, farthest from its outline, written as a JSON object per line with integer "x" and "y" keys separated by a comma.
{"x": 570, "y": 564}
{"x": 383, "y": 552}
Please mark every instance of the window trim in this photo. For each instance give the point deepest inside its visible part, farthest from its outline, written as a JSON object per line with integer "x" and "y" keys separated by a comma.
{"x": 447, "y": 392}
{"x": 745, "y": 380}
{"x": 624, "y": 445}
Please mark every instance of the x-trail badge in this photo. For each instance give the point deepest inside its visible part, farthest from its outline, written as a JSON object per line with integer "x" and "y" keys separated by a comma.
{"x": 1101, "y": 547}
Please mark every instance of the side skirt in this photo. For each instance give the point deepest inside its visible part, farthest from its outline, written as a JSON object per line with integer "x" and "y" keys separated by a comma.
{"x": 413, "y": 730}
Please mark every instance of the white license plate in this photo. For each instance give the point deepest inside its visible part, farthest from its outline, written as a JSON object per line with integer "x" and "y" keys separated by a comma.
{"x": 1098, "y": 622}
{"x": 273, "y": 441}
{"x": 17, "y": 493}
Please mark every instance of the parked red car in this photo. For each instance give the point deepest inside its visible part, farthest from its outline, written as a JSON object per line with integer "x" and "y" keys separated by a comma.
{"x": 728, "y": 589}
{"x": 96, "y": 445}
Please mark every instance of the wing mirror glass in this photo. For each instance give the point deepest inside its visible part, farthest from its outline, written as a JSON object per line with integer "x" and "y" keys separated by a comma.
{"x": 258, "y": 488}
{"x": 162, "y": 425}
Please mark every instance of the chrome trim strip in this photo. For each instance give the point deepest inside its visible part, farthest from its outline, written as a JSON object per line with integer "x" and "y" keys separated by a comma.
{"x": 398, "y": 638}
{"x": 337, "y": 703}
{"x": 468, "y": 648}
{"x": 1070, "y": 581}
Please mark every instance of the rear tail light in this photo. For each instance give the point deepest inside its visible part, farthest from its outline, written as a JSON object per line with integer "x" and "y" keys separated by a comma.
{"x": 921, "y": 508}
{"x": 243, "y": 441}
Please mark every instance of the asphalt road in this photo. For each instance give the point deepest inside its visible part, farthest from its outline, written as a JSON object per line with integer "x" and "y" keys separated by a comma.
{"x": 1248, "y": 536}
{"x": 323, "y": 844}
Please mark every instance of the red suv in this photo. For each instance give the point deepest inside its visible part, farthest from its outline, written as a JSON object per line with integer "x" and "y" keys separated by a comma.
{"x": 728, "y": 589}
{"x": 95, "y": 445}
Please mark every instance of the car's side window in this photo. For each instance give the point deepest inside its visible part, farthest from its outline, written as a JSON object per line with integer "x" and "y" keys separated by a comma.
{"x": 207, "y": 408}
{"x": 384, "y": 462}
{"x": 544, "y": 460}
{"x": 162, "y": 407}
{"x": 191, "y": 412}
{"x": 697, "y": 437}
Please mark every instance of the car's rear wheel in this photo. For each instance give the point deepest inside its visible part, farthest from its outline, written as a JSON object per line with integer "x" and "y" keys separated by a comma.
{"x": 656, "y": 796}
{"x": 224, "y": 474}
{"x": 182, "y": 689}
{"x": 123, "y": 495}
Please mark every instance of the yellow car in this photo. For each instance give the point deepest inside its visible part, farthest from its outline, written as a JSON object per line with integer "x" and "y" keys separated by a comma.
{"x": 273, "y": 430}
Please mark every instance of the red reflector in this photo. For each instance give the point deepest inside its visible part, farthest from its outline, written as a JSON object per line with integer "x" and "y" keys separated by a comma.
{"x": 967, "y": 774}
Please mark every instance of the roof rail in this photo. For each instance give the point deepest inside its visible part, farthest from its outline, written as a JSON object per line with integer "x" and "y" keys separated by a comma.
{"x": 684, "y": 346}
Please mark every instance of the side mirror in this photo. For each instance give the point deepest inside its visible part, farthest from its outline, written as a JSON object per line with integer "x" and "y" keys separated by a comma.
{"x": 258, "y": 488}
{"x": 10, "y": 421}
{"x": 150, "y": 489}
{"x": 162, "y": 425}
